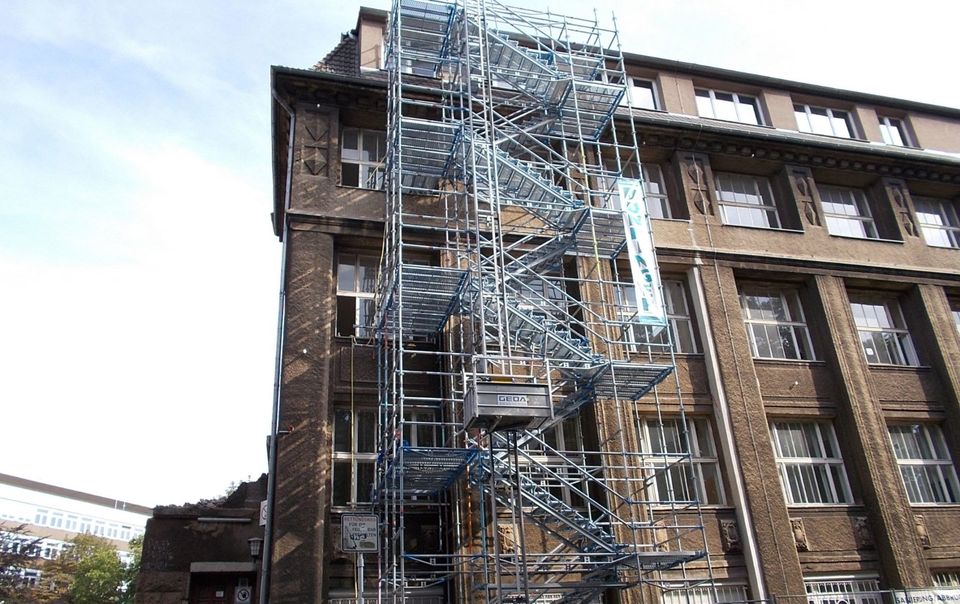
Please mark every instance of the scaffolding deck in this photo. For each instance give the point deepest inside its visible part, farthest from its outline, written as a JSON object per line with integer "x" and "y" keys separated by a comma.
{"x": 427, "y": 470}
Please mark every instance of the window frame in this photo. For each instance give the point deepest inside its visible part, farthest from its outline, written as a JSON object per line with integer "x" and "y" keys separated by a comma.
{"x": 630, "y": 100}
{"x": 905, "y": 353}
{"x": 650, "y": 173}
{"x": 949, "y": 224}
{"x": 761, "y": 185}
{"x": 703, "y": 455}
{"x": 853, "y": 198}
{"x": 887, "y": 126}
{"x": 790, "y": 304}
{"x": 711, "y": 98}
{"x": 828, "y": 471}
{"x": 361, "y": 298}
{"x": 848, "y": 589}
{"x": 932, "y": 440}
{"x": 806, "y": 110}
{"x": 354, "y": 456}
{"x": 364, "y": 166}
{"x": 565, "y": 437}
{"x": 638, "y": 337}
{"x": 719, "y": 592}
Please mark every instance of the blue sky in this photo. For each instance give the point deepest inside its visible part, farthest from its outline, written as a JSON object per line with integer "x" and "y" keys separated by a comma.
{"x": 138, "y": 267}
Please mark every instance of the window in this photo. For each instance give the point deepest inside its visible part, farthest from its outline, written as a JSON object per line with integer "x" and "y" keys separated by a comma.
{"x": 718, "y": 593}
{"x": 646, "y": 338}
{"x": 671, "y": 481}
{"x": 728, "y": 106}
{"x": 842, "y": 590}
{"x": 809, "y": 462}
{"x": 354, "y": 454}
{"x": 820, "y": 120}
{"x": 883, "y": 333}
{"x": 71, "y": 524}
{"x": 643, "y": 94}
{"x": 946, "y": 578}
{"x": 775, "y": 325}
{"x": 654, "y": 188}
{"x": 56, "y": 520}
{"x": 560, "y": 445}
{"x": 362, "y": 153}
{"x": 420, "y": 428}
{"x": 86, "y": 525}
{"x": 925, "y": 465}
{"x": 356, "y": 287}
{"x": 847, "y": 212}
{"x": 938, "y": 221}
{"x": 893, "y": 132}
{"x": 746, "y": 201}
{"x": 40, "y": 519}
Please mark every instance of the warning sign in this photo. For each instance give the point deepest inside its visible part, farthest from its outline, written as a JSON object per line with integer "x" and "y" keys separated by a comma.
{"x": 242, "y": 595}
{"x": 359, "y": 533}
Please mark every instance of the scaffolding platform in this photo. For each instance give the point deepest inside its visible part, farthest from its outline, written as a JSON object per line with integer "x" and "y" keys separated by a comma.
{"x": 603, "y": 235}
{"x": 428, "y": 149}
{"x": 629, "y": 380}
{"x": 431, "y": 294}
{"x": 587, "y": 108}
{"x": 427, "y": 470}
{"x": 425, "y": 30}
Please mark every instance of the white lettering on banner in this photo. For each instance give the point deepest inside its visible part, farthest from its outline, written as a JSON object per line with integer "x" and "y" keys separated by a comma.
{"x": 927, "y": 596}
{"x": 646, "y": 280}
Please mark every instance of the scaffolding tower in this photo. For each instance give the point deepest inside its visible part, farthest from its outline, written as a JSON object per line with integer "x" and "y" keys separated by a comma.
{"x": 512, "y": 401}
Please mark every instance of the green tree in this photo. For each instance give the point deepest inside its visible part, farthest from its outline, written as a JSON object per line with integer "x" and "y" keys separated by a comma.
{"x": 132, "y": 570}
{"x": 18, "y": 551}
{"x": 96, "y": 575}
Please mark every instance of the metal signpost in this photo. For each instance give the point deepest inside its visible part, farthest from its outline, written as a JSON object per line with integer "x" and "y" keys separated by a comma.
{"x": 359, "y": 534}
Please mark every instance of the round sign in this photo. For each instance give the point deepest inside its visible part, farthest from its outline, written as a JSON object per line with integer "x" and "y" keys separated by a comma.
{"x": 243, "y": 595}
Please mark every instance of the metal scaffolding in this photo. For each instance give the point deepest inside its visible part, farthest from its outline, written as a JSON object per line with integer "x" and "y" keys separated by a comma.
{"x": 501, "y": 330}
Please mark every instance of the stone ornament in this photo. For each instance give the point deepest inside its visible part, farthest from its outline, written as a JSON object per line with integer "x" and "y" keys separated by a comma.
{"x": 921, "y": 525}
{"x": 799, "y": 534}
{"x": 730, "y": 536}
{"x": 314, "y": 151}
{"x": 861, "y": 530}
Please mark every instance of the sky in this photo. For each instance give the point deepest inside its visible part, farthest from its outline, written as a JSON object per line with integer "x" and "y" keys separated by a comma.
{"x": 139, "y": 274}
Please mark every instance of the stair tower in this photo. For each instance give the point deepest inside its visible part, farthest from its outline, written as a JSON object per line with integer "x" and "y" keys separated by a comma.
{"x": 510, "y": 404}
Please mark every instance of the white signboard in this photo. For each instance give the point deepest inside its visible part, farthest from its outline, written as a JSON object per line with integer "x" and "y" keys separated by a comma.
{"x": 927, "y": 596}
{"x": 359, "y": 533}
{"x": 646, "y": 280}
{"x": 263, "y": 513}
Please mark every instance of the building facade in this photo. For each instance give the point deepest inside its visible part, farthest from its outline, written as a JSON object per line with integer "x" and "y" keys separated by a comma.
{"x": 31, "y": 510}
{"x": 808, "y": 255}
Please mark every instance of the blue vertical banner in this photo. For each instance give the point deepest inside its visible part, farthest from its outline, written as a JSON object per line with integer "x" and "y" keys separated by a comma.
{"x": 646, "y": 278}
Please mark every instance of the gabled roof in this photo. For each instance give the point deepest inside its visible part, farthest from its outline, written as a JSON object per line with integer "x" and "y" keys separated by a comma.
{"x": 344, "y": 58}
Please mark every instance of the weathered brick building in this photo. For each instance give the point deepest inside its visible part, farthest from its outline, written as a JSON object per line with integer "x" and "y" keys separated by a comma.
{"x": 791, "y": 433}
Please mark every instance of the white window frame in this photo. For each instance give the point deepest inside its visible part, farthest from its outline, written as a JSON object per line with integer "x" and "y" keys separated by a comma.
{"x": 926, "y": 468}
{"x": 743, "y": 196}
{"x": 938, "y": 221}
{"x": 718, "y": 593}
{"x": 360, "y": 418}
{"x": 566, "y": 438}
{"x": 671, "y": 469}
{"x": 707, "y": 105}
{"x": 847, "y": 212}
{"x": 946, "y": 578}
{"x": 803, "y": 114}
{"x": 881, "y": 327}
{"x": 893, "y": 131}
{"x": 818, "y": 478}
{"x": 630, "y": 99}
{"x": 843, "y": 590}
{"x": 363, "y": 294}
{"x": 370, "y": 171}
{"x": 654, "y": 188}
{"x": 789, "y": 326}
{"x": 956, "y": 318}
{"x": 641, "y": 338}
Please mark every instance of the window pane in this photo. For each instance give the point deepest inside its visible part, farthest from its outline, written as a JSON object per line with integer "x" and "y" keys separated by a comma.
{"x": 365, "y": 473}
{"x": 704, "y": 107}
{"x": 366, "y": 431}
{"x": 351, "y": 143}
{"x": 346, "y": 315}
{"x": 641, "y": 94}
{"x": 342, "y": 436}
{"x": 341, "y": 482}
{"x": 350, "y": 175}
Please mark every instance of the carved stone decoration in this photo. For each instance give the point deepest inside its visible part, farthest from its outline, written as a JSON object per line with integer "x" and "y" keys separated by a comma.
{"x": 799, "y": 535}
{"x": 896, "y": 190}
{"x": 921, "y": 524}
{"x": 508, "y": 537}
{"x": 861, "y": 530}
{"x": 696, "y": 177}
{"x": 801, "y": 184}
{"x": 315, "y": 143}
{"x": 730, "y": 536}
